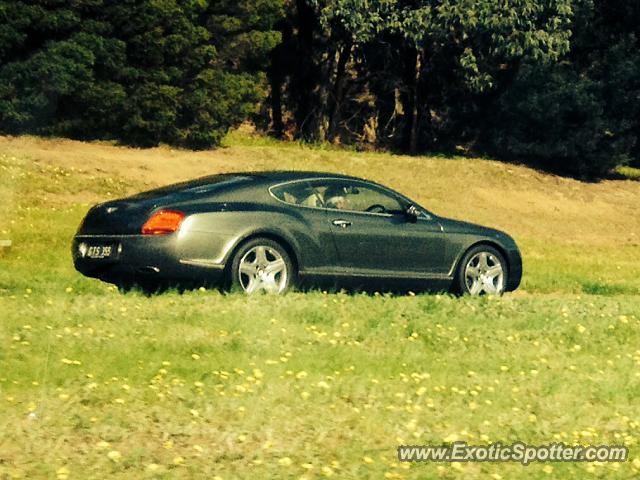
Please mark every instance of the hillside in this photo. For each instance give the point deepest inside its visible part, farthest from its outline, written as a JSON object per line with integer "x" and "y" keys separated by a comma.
{"x": 96, "y": 383}
{"x": 558, "y": 221}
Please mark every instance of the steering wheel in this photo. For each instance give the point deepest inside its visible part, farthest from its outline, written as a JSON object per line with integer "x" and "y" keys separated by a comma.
{"x": 376, "y": 208}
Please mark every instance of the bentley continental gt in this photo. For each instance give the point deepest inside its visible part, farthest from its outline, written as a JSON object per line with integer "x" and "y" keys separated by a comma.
{"x": 274, "y": 231}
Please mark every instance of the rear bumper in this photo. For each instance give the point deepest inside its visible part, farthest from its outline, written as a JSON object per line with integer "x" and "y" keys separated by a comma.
{"x": 139, "y": 258}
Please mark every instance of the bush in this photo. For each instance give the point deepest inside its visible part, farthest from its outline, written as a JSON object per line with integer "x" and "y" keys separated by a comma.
{"x": 145, "y": 72}
{"x": 563, "y": 120}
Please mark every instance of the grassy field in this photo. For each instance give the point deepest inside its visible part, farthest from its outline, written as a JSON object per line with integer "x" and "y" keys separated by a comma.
{"x": 96, "y": 383}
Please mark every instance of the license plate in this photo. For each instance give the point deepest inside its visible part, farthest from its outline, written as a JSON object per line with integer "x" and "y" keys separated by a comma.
{"x": 100, "y": 252}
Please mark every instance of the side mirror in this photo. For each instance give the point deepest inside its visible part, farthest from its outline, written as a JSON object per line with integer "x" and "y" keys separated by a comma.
{"x": 412, "y": 213}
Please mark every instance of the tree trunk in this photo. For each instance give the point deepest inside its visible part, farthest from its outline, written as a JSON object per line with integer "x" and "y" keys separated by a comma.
{"x": 279, "y": 68}
{"x": 307, "y": 74}
{"x": 338, "y": 91}
{"x": 276, "y": 81}
{"x": 415, "y": 110}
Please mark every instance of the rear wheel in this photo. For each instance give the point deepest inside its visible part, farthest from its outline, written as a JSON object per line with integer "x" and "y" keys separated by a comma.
{"x": 262, "y": 265}
{"x": 482, "y": 271}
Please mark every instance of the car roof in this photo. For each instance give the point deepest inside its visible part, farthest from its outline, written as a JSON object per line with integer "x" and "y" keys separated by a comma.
{"x": 285, "y": 175}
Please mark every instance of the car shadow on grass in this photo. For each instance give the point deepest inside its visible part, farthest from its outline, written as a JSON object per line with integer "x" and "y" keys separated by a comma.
{"x": 158, "y": 288}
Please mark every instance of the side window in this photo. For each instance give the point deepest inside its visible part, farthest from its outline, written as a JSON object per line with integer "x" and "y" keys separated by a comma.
{"x": 355, "y": 197}
{"x": 365, "y": 199}
{"x": 298, "y": 193}
{"x": 338, "y": 195}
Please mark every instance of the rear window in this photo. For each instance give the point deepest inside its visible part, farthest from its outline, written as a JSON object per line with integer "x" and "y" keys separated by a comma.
{"x": 202, "y": 185}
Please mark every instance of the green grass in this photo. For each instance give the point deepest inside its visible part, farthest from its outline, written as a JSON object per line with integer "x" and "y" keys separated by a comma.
{"x": 315, "y": 385}
{"x": 630, "y": 173}
{"x": 555, "y": 267}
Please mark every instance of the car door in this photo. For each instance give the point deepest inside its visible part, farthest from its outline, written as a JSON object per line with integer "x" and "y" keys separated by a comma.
{"x": 307, "y": 222}
{"x": 374, "y": 236}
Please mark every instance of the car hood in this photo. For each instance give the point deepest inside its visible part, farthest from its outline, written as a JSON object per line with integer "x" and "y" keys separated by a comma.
{"x": 458, "y": 226}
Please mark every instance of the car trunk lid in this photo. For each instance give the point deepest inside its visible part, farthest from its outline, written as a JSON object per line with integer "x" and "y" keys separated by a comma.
{"x": 120, "y": 217}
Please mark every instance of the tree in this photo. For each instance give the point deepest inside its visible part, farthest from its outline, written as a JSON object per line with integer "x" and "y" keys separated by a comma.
{"x": 143, "y": 72}
{"x": 395, "y": 61}
{"x": 578, "y": 116}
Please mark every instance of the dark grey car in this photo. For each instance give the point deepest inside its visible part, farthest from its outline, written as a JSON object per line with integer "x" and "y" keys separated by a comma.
{"x": 271, "y": 231}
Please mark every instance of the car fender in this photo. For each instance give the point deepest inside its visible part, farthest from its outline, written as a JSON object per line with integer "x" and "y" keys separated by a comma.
{"x": 215, "y": 232}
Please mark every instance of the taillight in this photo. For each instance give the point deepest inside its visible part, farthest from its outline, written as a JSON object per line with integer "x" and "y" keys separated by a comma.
{"x": 163, "y": 222}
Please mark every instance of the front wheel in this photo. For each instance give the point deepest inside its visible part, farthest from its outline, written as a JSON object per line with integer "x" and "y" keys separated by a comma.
{"x": 482, "y": 271}
{"x": 262, "y": 265}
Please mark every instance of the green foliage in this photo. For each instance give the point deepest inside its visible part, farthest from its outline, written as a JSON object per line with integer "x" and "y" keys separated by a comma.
{"x": 578, "y": 116}
{"x": 552, "y": 83}
{"x": 230, "y": 96}
{"x": 558, "y": 119}
{"x": 180, "y": 72}
{"x": 409, "y": 59}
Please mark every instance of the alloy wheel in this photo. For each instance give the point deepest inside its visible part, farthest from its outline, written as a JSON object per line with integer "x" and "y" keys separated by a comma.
{"x": 263, "y": 268}
{"x": 484, "y": 274}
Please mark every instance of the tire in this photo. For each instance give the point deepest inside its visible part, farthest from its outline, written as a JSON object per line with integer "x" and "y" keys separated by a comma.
{"x": 262, "y": 265}
{"x": 482, "y": 271}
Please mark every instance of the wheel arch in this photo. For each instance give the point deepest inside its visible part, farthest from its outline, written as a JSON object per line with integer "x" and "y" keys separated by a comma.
{"x": 489, "y": 243}
{"x": 274, "y": 236}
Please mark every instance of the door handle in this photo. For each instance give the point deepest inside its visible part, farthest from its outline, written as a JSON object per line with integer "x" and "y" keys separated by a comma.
{"x": 342, "y": 223}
